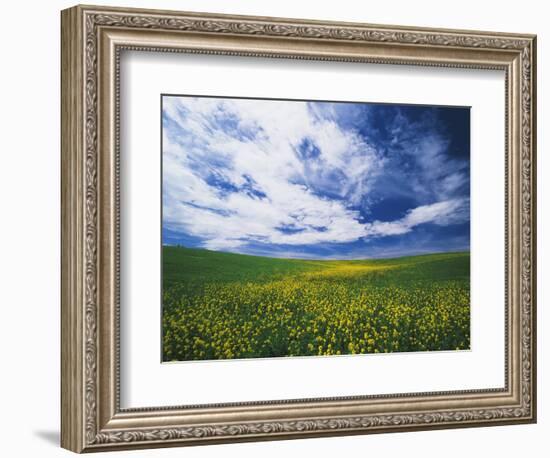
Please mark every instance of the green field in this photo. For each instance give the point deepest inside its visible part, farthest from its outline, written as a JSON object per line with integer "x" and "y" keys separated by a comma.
{"x": 223, "y": 305}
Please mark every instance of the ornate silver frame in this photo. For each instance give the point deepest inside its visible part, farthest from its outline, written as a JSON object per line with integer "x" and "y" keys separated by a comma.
{"x": 92, "y": 39}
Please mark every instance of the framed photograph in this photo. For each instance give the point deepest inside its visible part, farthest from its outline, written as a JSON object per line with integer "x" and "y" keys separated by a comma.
{"x": 279, "y": 228}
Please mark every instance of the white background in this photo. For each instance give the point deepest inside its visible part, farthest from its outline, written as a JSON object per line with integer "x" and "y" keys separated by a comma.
{"x": 145, "y": 76}
{"x": 29, "y": 242}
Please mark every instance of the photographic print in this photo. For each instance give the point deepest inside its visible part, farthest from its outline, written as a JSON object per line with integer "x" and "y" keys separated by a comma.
{"x": 313, "y": 228}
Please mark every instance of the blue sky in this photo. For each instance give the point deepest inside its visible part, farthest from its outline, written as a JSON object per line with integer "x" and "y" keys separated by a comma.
{"x": 315, "y": 180}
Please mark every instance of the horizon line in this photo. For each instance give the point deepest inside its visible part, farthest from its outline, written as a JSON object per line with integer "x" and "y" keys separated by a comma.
{"x": 425, "y": 253}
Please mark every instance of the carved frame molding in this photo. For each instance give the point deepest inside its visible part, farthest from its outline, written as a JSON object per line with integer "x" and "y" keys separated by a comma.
{"x": 92, "y": 39}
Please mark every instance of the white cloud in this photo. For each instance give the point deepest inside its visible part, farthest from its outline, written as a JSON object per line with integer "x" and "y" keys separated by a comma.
{"x": 441, "y": 213}
{"x": 433, "y": 174}
{"x": 200, "y": 147}
{"x": 232, "y": 174}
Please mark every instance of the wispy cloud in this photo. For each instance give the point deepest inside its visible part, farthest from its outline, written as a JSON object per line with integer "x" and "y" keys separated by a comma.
{"x": 239, "y": 173}
{"x": 441, "y": 213}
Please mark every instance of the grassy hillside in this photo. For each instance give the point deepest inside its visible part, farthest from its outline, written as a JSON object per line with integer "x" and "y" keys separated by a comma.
{"x": 224, "y": 305}
{"x": 188, "y": 264}
{"x": 193, "y": 265}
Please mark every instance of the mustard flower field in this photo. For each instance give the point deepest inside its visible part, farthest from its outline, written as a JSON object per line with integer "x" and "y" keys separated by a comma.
{"x": 225, "y": 306}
